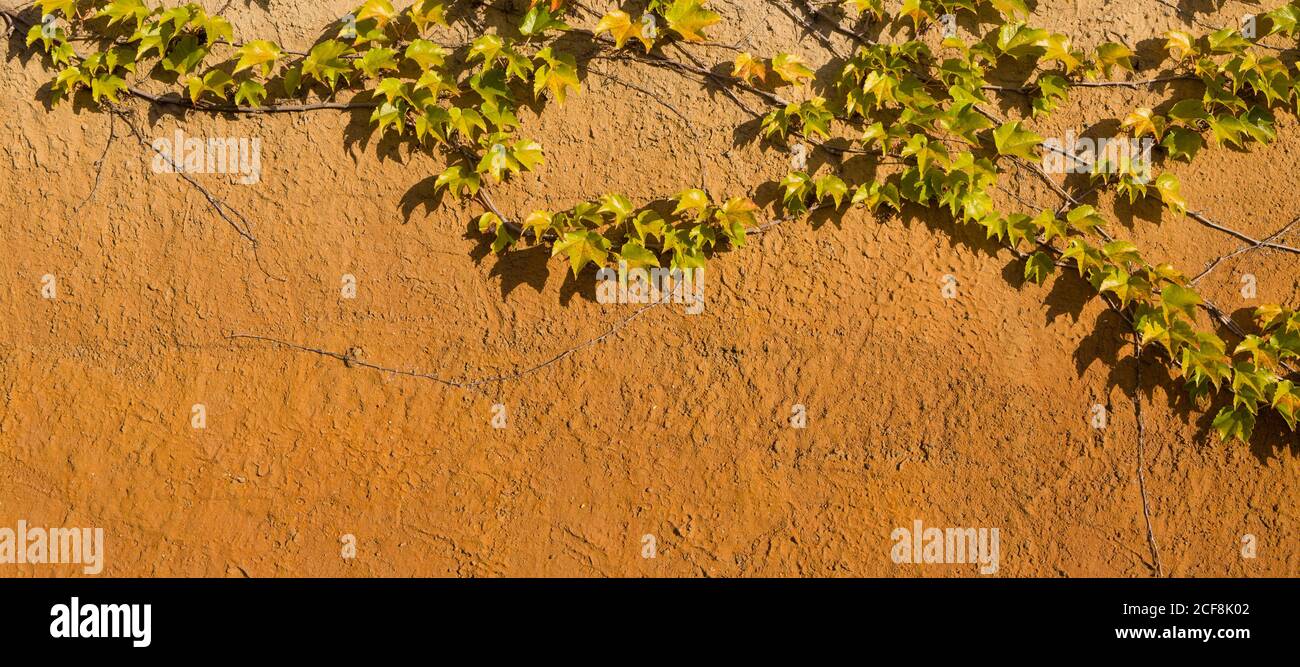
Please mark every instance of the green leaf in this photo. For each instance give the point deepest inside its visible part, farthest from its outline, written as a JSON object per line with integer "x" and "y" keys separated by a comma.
{"x": 688, "y": 18}
{"x": 257, "y": 53}
{"x": 376, "y": 61}
{"x": 458, "y": 181}
{"x": 1084, "y": 218}
{"x": 557, "y": 73}
{"x": 617, "y": 206}
{"x": 250, "y": 93}
{"x": 107, "y": 86}
{"x": 637, "y": 255}
{"x": 326, "y": 62}
{"x": 1039, "y": 267}
{"x": 1182, "y": 143}
{"x": 426, "y": 54}
{"x": 1113, "y": 54}
{"x": 215, "y": 82}
{"x": 1189, "y": 111}
{"x": 791, "y": 68}
{"x": 832, "y": 186}
{"x": 1171, "y": 192}
{"x": 1238, "y": 423}
{"x": 1012, "y": 139}
{"x": 583, "y": 247}
{"x": 538, "y": 20}
{"x": 1176, "y": 299}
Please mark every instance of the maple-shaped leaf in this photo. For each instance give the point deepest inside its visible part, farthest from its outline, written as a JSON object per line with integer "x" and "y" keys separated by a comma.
{"x": 107, "y": 87}
{"x": 1010, "y": 9}
{"x": 1182, "y": 143}
{"x": 458, "y": 181}
{"x": 528, "y": 154}
{"x": 1284, "y": 19}
{"x": 491, "y": 85}
{"x": 1019, "y": 40}
{"x": 583, "y": 247}
{"x": 250, "y": 93}
{"x": 1012, "y": 139}
{"x": 1114, "y": 54}
{"x": 1122, "y": 252}
{"x": 1087, "y": 258}
{"x": 487, "y": 47}
{"x": 1228, "y": 130}
{"x": 426, "y": 54}
{"x": 375, "y": 61}
{"x": 1180, "y": 300}
{"x": 617, "y": 206}
{"x": 380, "y": 11}
{"x": 648, "y": 224}
{"x": 796, "y": 186}
{"x": 1058, "y": 47}
{"x": 258, "y": 53}
{"x": 326, "y": 62}
{"x": 1084, "y": 218}
{"x": 1039, "y": 267}
{"x": 1227, "y": 40}
{"x": 214, "y": 28}
{"x": 1189, "y": 111}
{"x": 1051, "y": 225}
{"x": 123, "y": 11}
{"x": 215, "y": 82}
{"x": 1171, "y": 193}
{"x": 557, "y": 73}
{"x": 693, "y": 199}
{"x": 66, "y": 7}
{"x": 1144, "y": 121}
{"x": 736, "y": 216}
{"x": 539, "y": 222}
{"x": 831, "y": 187}
{"x": 184, "y": 55}
{"x": 1234, "y": 422}
{"x": 1286, "y": 400}
{"x": 621, "y": 27}
{"x": 504, "y": 239}
{"x": 496, "y": 161}
{"x": 747, "y": 68}
{"x": 637, "y": 255}
{"x": 791, "y": 68}
{"x": 465, "y": 122}
{"x": 688, "y": 17}
{"x": 425, "y": 13}
{"x": 538, "y": 20}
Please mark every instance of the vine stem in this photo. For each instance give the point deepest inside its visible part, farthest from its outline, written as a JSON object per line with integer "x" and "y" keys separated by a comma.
{"x": 1141, "y": 457}
{"x": 351, "y": 359}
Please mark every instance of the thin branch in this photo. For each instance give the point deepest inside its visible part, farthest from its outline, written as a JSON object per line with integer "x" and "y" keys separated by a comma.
{"x": 1244, "y": 250}
{"x": 1141, "y": 458}
{"x": 351, "y": 358}
{"x": 232, "y": 216}
{"x": 99, "y": 164}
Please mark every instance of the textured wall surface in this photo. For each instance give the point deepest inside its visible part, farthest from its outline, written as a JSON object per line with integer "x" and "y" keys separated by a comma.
{"x": 965, "y": 412}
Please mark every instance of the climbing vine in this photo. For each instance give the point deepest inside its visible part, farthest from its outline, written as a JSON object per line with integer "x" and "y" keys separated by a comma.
{"x": 920, "y": 108}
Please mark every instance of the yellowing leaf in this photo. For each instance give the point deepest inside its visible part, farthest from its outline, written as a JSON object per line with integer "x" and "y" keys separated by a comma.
{"x": 747, "y": 68}
{"x": 1012, "y": 139}
{"x": 257, "y": 53}
{"x": 621, "y": 27}
{"x": 582, "y": 247}
{"x": 688, "y": 17}
{"x": 1171, "y": 192}
{"x": 791, "y": 68}
{"x": 692, "y": 200}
